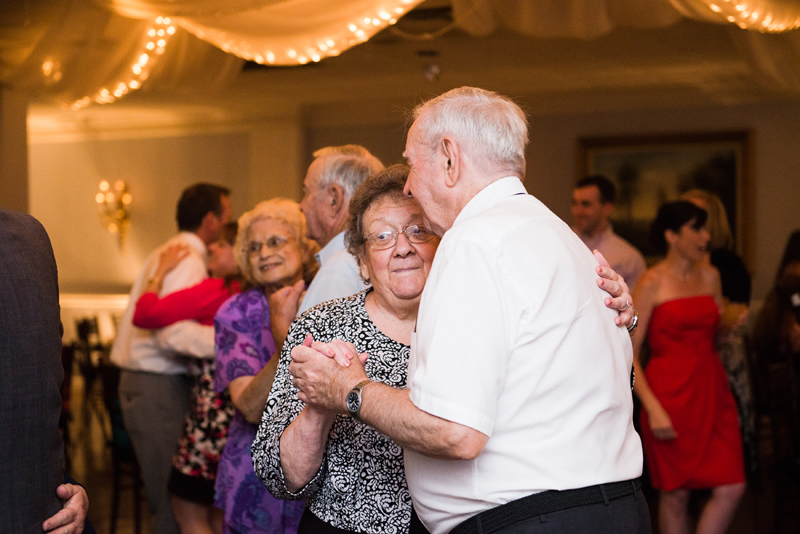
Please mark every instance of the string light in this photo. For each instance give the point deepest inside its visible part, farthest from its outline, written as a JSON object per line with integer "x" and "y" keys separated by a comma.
{"x": 154, "y": 44}
{"x": 765, "y": 16}
{"x": 352, "y": 33}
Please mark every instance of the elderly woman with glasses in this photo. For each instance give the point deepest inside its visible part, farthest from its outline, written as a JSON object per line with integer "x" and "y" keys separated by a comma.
{"x": 273, "y": 253}
{"x": 352, "y": 475}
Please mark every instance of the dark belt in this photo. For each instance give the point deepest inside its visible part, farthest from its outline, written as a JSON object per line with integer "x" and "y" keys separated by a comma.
{"x": 546, "y": 502}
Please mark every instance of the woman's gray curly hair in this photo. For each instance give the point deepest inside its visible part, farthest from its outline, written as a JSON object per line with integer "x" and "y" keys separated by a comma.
{"x": 280, "y": 209}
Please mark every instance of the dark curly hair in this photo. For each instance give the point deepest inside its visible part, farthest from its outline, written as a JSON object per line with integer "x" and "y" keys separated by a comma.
{"x": 672, "y": 216}
{"x": 388, "y": 182}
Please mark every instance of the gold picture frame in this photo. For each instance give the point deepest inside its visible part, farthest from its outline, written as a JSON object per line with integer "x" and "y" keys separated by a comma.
{"x": 649, "y": 170}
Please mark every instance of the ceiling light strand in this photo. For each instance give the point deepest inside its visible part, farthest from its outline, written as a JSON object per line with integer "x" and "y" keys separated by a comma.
{"x": 328, "y": 42}
{"x": 765, "y": 16}
{"x": 157, "y": 37}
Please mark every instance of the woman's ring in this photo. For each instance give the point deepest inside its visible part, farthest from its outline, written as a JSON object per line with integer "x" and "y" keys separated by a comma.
{"x": 627, "y": 305}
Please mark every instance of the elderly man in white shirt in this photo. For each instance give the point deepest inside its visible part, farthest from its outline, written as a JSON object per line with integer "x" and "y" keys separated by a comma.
{"x": 518, "y": 415}
{"x": 154, "y": 390}
{"x": 331, "y": 179}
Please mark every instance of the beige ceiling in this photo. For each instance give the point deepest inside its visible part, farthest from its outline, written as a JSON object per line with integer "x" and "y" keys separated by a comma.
{"x": 688, "y": 63}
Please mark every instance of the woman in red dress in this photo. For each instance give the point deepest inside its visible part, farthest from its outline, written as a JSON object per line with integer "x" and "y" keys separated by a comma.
{"x": 689, "y": 420}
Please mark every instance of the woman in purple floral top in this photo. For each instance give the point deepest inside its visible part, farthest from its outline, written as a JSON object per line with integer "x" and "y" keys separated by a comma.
{"x": 273, "y": 253}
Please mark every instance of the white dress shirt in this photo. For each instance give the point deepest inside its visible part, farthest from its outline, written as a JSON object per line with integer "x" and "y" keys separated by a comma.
{"x": 338, "y": 276}
{"x": 513, "y": 340}
{"x": 164, "y": 351}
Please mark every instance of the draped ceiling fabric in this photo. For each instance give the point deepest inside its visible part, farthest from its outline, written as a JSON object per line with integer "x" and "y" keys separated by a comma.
{"x": 773, "y": 57}
{"x": 72, "y": 50}
{"x": 142, "y": 9}
{"x": 277, "y": 32}
{"x": 586, "y": 19}
{"x": 69, "y": 50}
{"x": 759, "y": 15}
{"x": 582, "y": 19}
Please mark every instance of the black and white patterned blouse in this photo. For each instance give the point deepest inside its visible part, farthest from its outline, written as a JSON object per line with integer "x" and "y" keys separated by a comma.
{"x": 361, "y": 485}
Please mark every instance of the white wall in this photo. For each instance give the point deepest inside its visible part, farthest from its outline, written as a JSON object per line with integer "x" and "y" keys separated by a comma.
{"x": 553, "y": 163}
{"x": 269, "y": 158}
{"x": 64, "y": 178}
{"x": 553, "y": 158}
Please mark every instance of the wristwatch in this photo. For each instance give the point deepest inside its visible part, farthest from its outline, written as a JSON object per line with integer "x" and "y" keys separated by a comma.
{"x": 635, "y": 323}
{"x": 354, "y": 398}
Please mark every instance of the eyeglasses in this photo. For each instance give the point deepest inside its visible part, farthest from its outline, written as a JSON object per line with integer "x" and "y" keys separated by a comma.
{"x": 273, "y": 243}
{"x": 388, "y": 238}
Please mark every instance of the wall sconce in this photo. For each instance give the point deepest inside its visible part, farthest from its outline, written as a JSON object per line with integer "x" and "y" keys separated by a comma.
{"x": 113, "y": 207}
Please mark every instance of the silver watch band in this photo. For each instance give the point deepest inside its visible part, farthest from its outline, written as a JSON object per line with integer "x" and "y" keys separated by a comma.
{"x": 635, "y": 323}
{"x": 357, "y": 390}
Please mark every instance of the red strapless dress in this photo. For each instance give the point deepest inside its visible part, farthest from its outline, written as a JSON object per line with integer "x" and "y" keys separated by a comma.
{"x": 686, "y": 375}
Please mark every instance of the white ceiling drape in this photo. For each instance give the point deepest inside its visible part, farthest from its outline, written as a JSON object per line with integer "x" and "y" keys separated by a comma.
{"x": 771, "y": 16}
{"x": 73, "y": 51}
{"x": 582, "y": 19}
{"x": 276, "y": 32}
{"x": 81, "y": 51}
{"x": 771, "y": 47}
{"x": 586, "y": 19}
{"x": 143, "y": 9}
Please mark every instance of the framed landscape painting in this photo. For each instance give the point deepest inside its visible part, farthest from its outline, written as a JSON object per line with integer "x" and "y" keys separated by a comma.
{"x": 651, "y": 170}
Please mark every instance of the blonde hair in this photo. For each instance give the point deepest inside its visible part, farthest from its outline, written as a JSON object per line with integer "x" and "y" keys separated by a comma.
{"x": 284, "y": 210}
{"x": 717, "y": 223}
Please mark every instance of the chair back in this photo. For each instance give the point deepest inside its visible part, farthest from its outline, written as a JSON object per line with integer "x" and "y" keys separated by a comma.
{"x": 120, "y": 440}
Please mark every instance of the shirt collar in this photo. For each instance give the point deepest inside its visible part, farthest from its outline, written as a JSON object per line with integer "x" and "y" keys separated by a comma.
{"x": 491, "y": 195}
{"x": 194, "y": 241}
{"x": 598, "y": 238}
{"x": 334, "y": 245}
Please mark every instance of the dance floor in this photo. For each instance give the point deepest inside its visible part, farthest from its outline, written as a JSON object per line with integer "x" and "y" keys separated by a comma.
{"x": 90, "y": 463}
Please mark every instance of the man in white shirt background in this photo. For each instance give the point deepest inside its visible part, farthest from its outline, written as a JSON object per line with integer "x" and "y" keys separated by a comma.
{"x": 329, "y": 184}
{"x": 519, "y": 404}
{"x": 154, "y": 389}
{"x": 592, "y": 205}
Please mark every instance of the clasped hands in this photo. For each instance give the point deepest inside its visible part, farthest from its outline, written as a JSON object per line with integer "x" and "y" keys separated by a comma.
{"x": 324, "y": 373}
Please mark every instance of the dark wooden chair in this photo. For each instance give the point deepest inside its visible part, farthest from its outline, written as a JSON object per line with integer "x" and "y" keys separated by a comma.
{"x": 89, "y": 354}
{"x": 125, "y": 468}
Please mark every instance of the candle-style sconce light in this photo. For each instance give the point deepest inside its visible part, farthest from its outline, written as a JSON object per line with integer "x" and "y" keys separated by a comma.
{"x": 113, "y": 206}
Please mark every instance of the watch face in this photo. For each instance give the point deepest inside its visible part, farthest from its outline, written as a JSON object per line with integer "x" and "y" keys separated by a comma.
{"x": 353, "y": 401}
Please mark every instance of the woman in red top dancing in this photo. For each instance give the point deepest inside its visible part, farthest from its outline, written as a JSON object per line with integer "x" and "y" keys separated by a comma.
{"x": 205, "y": 432}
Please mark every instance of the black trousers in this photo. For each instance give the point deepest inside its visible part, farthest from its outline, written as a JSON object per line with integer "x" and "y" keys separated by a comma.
{"x": 311, "y": 524}
{"x": 627, "y": 515}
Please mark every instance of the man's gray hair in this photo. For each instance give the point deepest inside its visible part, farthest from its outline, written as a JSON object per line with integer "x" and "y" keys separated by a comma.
{"x": 490, "y": 127}
{"x": 346, "y": 165}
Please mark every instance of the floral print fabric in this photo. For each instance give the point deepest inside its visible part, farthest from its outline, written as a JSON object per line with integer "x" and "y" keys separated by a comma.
{"x": 206, "y": 427}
